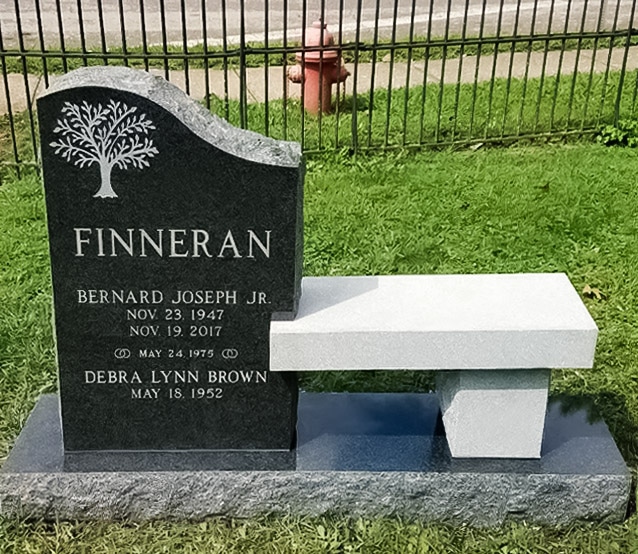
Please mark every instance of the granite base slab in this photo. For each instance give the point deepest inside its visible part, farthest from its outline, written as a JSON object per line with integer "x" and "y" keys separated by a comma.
{"x": 370, "y": 455}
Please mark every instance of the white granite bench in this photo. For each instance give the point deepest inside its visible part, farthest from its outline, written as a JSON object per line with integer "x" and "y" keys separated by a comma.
{"x": 495, "y": 336}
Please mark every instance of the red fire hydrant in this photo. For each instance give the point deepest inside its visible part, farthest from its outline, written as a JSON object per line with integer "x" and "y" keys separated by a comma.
{"x": 318, "y": 70}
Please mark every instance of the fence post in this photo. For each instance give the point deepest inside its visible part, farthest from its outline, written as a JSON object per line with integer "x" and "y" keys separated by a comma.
{"x": 243, "y": 96}
{"x": 621, "y": 80}
{"x": 355, "y": 76}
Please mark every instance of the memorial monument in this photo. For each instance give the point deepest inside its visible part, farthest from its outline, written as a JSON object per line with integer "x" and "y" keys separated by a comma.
{"x": 182, "y": 320}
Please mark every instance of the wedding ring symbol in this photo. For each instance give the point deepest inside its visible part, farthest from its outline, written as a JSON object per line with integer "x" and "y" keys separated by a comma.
{"x": 122, "y": 353}
{"x": 229, "y": 354}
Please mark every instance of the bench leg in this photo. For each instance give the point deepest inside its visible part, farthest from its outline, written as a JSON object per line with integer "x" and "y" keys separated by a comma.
{"x": 494, "y": 413}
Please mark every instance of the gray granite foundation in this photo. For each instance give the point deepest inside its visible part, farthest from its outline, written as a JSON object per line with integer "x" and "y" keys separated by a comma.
{"x": 371, "y": 455}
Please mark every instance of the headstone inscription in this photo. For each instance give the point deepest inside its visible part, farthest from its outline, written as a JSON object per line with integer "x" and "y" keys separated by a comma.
{"x": 174, "y": 239}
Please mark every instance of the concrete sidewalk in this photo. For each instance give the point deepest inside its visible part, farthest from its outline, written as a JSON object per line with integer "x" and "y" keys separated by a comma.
{"x": 23, "y": 91}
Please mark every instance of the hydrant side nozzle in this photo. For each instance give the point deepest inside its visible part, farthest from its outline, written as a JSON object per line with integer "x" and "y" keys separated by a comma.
{"x": 343, "y": 74}
{"x": 295, "y": 73}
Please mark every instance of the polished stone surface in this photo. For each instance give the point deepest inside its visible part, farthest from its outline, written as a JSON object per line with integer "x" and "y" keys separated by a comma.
{"x": 375, "y": 455}
{"x": 435, "y": 322}
{"x": 174, "y": 238}
{"x": 494, "y": 413}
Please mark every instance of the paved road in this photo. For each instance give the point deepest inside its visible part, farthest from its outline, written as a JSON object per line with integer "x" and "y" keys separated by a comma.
{"x": 186, "y": 20}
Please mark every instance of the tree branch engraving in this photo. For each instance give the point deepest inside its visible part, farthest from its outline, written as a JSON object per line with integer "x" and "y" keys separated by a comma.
{"x": 110, "y": 136}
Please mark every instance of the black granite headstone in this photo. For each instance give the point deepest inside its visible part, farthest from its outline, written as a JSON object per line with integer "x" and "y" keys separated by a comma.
{"x": 174, "y": 239}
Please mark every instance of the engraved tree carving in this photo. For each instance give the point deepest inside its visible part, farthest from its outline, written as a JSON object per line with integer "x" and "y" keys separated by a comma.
{"x": 110, "y": 136}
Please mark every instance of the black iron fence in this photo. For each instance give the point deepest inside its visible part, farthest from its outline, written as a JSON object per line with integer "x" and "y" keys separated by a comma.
{"x": 431, "y": 72}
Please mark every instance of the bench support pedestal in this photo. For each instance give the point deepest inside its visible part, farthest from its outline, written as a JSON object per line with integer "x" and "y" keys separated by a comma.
{"x": 494, "y": 413}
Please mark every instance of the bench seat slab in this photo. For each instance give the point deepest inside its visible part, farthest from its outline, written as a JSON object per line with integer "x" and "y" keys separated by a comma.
{"x": 435, "y": 322}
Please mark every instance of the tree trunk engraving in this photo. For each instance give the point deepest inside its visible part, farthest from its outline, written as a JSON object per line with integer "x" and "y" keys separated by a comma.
{"x": 106, "y": 190}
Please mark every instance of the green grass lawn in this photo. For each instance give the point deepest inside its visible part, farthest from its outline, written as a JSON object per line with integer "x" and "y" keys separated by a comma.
{"x": 488, "y": 111}
{"x": 571, "y": 208}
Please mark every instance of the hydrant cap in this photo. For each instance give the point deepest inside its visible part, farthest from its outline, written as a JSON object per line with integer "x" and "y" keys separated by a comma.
{"x": 318, "y": 31}
{"x": 314, "y": 36}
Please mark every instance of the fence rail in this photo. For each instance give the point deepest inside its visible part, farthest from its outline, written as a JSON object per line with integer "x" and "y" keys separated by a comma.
{"x": 422, "y": 73}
